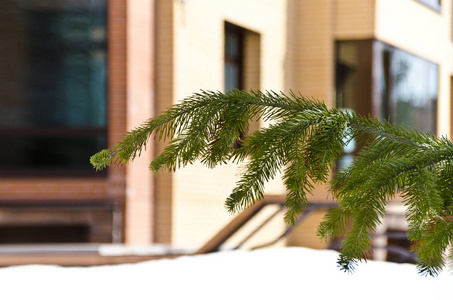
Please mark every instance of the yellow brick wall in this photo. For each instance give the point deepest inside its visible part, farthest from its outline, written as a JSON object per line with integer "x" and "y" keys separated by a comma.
{"x": 297, "y": 43}
{"x": 354, "y": 19}
{"x": 315, "y": 50}
{"x": 296, "y": 53}
{"x": 314, "y": 77}
{"x": 198, "y": 194}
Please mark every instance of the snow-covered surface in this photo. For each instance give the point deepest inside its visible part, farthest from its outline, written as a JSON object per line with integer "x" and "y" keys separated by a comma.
{"x": 283, "y": 273}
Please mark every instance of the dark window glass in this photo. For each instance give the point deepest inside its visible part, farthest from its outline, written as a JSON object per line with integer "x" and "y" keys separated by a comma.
{"x": 234, "y": 41}
{"x": 415, "y": 91}
{"x": 408, "y": 88}
{"x": 53, "y": 84}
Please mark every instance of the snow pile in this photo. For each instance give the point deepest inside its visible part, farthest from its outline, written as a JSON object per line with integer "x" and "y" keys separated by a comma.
{"x": 295, "y": 273}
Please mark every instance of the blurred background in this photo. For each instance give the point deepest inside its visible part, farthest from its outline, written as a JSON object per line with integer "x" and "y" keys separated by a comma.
{"x": 76, "y": 75}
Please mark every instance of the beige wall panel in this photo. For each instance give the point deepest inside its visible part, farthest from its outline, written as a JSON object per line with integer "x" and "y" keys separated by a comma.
{"x": 354, "y": 19}
{"x": 314, "y": 59}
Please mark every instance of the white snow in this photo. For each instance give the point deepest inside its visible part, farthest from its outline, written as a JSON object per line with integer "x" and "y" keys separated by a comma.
{"x": 282, "y": 273}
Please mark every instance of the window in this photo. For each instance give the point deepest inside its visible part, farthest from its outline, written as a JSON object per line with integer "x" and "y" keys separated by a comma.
{"x": 234, "y": 74}
{"x": 242, "y": 63}
{"x": 435, "y": 4}
{"x": 408, "y": 88}
{"x": 388, "y": 83}
{"x": 53, "y": 85}
{"x": 234, "y": 45}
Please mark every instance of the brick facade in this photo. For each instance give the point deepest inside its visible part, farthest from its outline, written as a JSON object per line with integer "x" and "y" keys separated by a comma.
{"x": 162, "y": 51}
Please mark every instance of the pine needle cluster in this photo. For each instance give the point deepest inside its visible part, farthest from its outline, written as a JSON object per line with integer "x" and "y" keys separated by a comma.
{"x": 304, "y": 142}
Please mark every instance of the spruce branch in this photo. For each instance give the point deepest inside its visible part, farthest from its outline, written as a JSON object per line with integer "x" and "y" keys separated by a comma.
{"x": 304, "y": 142}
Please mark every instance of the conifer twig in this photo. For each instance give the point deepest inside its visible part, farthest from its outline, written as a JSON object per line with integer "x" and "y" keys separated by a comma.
{"x": 305, "y": 141}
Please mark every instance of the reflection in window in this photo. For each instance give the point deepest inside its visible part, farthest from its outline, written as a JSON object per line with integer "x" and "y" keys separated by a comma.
{"x": 386, "y": 82}
{"x": 413, "y": 89}
{"x": 52, "y": 82}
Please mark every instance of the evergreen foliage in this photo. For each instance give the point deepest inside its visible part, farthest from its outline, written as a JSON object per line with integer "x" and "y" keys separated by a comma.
{"x": 304, "y": 142}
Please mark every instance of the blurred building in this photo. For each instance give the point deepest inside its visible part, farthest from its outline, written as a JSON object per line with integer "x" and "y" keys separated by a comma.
{"x": 76, "y": 75}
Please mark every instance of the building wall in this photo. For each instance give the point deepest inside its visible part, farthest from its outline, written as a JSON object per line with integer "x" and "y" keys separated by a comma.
{"x": 131, "y": 102}
{"x": 290, "y": 45}
{"x": 197, "y": 194}
{"x": 163, "y": 213}
{"x": 297, "y": 53}
{"x": 117, "y": 91}
{"x": 140, "y": 107}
